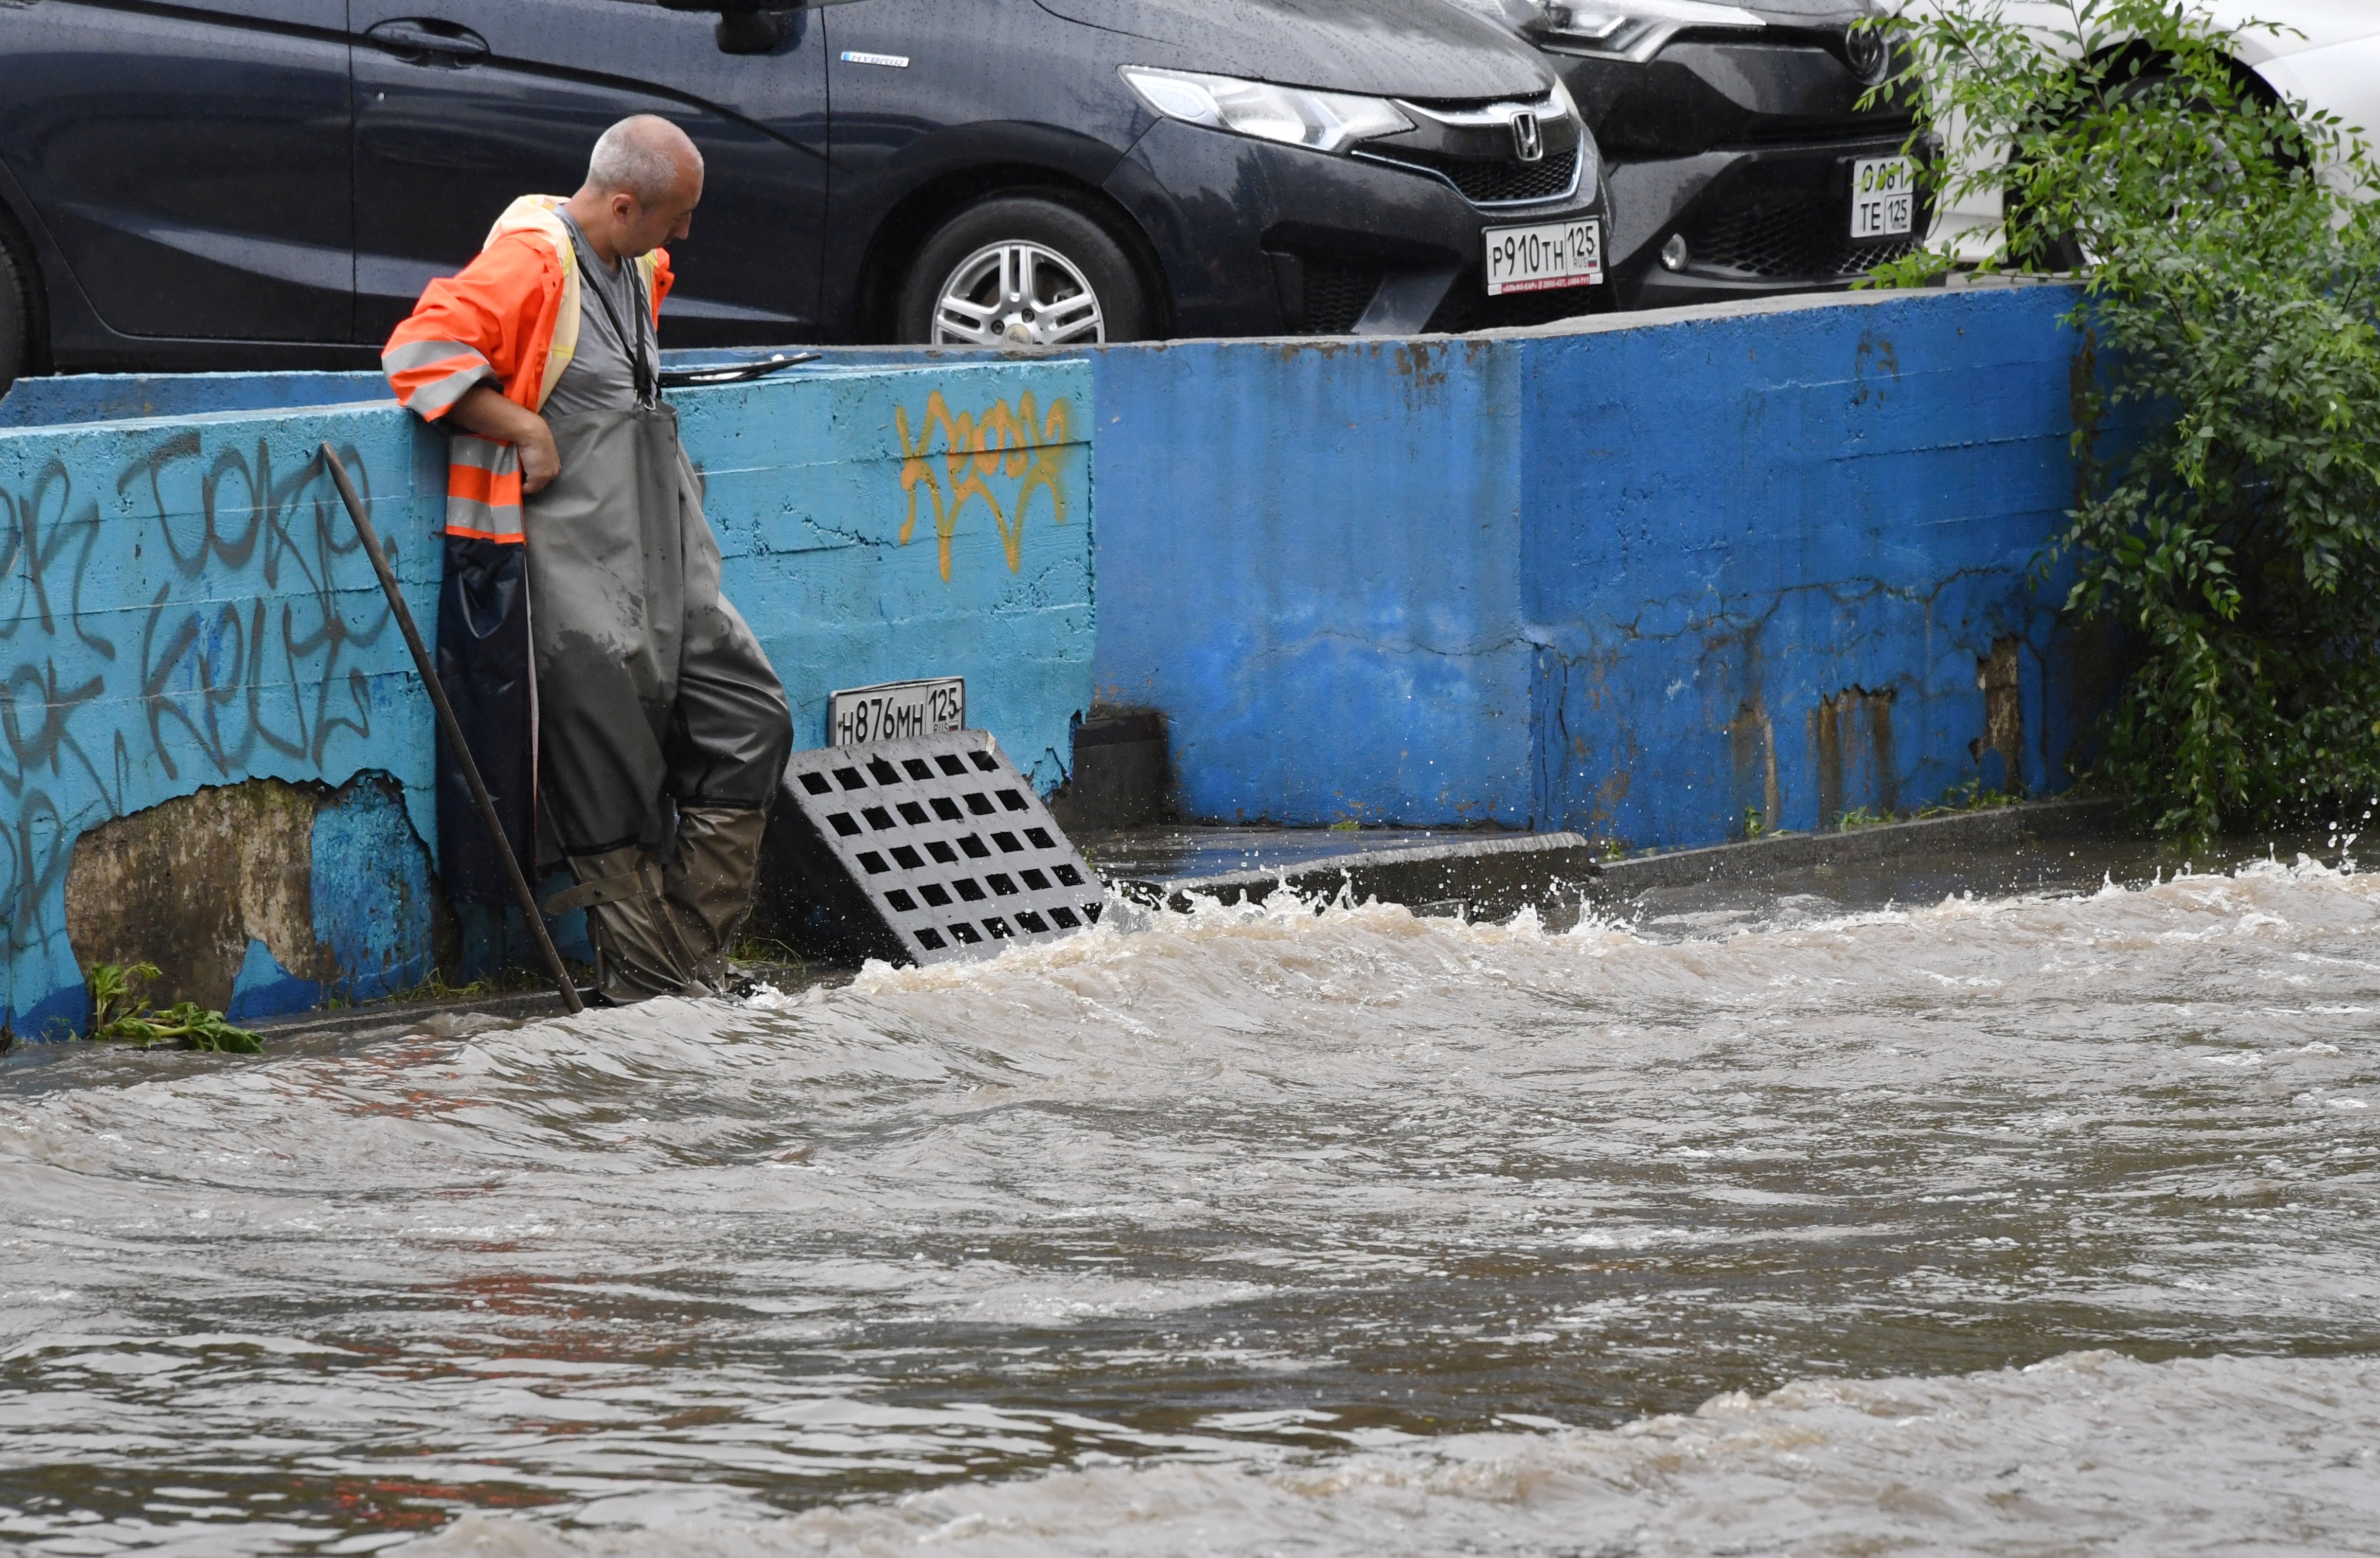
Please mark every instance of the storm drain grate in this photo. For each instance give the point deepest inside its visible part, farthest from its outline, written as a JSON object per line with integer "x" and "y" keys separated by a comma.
{"x": 939, "y": 841}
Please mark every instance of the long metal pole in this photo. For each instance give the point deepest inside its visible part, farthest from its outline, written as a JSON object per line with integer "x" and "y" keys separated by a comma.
{"x": 455, "y": 743}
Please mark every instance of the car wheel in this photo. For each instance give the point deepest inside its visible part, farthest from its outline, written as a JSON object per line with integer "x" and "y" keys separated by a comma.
{"x": 16, "y": 317}
{"x": 1021, "y": 270}
{"x": 2070, "y": 251}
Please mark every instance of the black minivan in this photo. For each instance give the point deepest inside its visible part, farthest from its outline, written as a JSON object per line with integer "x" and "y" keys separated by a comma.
{"x": 270, "y": 182}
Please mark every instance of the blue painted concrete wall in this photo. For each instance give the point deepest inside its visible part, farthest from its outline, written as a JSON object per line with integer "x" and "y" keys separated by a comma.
{"x": 1603, "y": 577}
{"x": 183, "y": 605}
{"x": 1315, "y": 569}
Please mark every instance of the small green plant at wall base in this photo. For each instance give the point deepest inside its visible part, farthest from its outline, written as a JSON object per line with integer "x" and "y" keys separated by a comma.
{"x": 2227, "y": 523}
{"x": 1860, "y": 817}
{"x": 117, "y": 1013}
{"x": 1968, "y": 797}
{"x": 1753, "y": 825}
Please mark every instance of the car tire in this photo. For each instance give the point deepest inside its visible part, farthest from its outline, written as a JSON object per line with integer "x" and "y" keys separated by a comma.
{"x": 16, "y": 315}
{"x": 960, "y": 291}
{"x": 2066, "y": 251}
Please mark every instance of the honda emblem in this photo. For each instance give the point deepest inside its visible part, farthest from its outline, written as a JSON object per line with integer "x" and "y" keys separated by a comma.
{"x": 1528, "y": 139}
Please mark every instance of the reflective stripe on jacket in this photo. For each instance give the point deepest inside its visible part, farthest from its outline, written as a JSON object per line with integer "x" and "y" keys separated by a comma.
{"x": 510, "y": 318}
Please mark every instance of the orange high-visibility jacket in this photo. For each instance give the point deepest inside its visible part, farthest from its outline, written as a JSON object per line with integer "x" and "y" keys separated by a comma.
{"x": 510, "y": 318}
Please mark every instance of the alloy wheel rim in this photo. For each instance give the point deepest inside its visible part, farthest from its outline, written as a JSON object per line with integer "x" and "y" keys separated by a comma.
{"x": 1018, "y": 293}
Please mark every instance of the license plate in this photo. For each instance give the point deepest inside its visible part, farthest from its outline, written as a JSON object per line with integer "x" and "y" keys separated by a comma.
{"x": 1541, "y": 258}
{"x": 1884, "y": 197}
{"x": 896, "y": 710}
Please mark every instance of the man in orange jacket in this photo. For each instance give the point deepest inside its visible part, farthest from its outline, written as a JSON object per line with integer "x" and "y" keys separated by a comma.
{"x": 624, "y": 718}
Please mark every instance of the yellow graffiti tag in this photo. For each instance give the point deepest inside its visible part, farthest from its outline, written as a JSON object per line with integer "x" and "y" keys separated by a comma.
{"x": 1027, "y": 448}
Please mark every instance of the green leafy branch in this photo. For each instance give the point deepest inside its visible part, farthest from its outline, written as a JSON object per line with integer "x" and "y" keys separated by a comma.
{"x": 119, "y": 1013}
{"x": 2226, "y": 533}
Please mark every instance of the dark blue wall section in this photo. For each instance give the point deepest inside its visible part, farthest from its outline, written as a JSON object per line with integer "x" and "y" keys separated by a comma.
{"x": 1317, "y": 572}
{"x": 1767, "y": 560}
{"x": 1663, "y": 578}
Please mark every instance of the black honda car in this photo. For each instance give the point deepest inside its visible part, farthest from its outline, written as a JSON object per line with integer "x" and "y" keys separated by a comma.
{"x": 1740, "y": 159}
{"x": 260, "y": 182}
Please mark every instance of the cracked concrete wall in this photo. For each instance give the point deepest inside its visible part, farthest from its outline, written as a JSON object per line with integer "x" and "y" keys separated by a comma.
{"x": 197, "y": 665}
{"x": 1605, "y": 575}
{"x": 1827, "y": 512}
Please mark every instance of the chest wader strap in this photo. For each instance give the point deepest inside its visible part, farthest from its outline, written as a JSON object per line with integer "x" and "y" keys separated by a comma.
{"x": 640, "y": 371}
{"x": 602, "y": 889}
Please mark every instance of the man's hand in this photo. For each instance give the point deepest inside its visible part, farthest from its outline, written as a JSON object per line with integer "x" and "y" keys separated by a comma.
{"x": 485, "y": 411}
{"x": 541, "y": 461}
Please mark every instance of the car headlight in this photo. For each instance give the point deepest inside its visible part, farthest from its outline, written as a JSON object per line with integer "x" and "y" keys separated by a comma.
{"x": 1293, "y": 116}
{"x": 1633, "y": 30}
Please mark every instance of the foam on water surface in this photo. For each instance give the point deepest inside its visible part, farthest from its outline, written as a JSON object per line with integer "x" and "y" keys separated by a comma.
{"x": 2002, "y": 1225}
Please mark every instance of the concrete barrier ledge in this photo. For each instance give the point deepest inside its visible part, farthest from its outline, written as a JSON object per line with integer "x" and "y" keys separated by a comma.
{"x": 1493, "y": 878}
{"x": 1754, "y": 858}
{"x": 1485, "y": 878}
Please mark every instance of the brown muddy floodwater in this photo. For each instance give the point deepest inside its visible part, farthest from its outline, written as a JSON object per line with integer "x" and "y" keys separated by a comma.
{"x": 2027, "y": 1224}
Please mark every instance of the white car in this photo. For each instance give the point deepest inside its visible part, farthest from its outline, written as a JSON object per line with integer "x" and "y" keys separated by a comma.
{"x": 2327, "y": 55}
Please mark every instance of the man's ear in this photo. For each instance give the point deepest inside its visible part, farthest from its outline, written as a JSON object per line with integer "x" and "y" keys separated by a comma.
{"x": 623, "y": 207}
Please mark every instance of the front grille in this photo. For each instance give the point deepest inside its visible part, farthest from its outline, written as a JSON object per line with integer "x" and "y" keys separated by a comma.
{"x": 1486, "y": 183}
{"x": 1468, "y": 306}
{"x": 1337, "y": 292}
{"x": 1804, "y": 239}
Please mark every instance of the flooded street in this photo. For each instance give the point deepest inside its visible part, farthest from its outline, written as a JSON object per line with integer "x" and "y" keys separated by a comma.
{"x": 2030, "y": 1224}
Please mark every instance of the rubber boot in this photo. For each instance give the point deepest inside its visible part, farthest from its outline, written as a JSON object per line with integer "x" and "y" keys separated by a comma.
{"x": 639, "y": 950}
{"x": 710, "y": 882}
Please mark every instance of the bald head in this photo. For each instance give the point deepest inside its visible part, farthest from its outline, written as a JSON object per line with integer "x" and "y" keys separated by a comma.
{"x": 644, "y": 156}
{"x": 643, "y": 183}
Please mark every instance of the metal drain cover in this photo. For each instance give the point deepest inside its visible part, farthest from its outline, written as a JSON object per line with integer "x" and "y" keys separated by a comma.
{"x": 918, "y": 851}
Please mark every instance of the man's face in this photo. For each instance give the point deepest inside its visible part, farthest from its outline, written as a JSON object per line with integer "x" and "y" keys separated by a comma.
{"x": 641, "y": 228}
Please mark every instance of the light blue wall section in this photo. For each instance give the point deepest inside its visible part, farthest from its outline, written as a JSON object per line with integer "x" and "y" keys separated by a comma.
{"x": 879, "y": 525}
{"x": 183, "y": 604}
{"x": 1600, "y": 578}
{"x": 122, "y": 397}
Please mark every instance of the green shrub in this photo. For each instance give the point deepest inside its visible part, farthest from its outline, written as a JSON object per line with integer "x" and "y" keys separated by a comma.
{"x": 2227, "y": 404}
